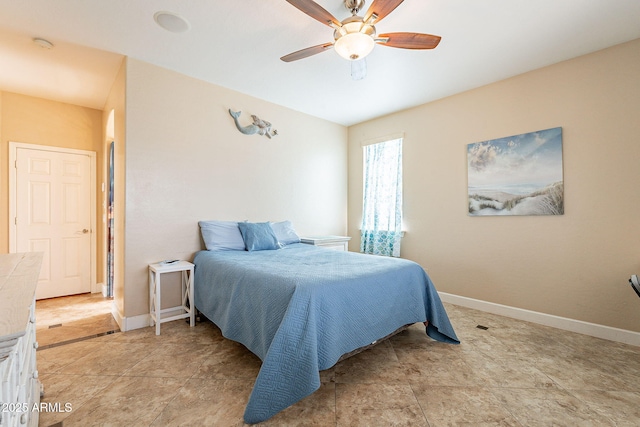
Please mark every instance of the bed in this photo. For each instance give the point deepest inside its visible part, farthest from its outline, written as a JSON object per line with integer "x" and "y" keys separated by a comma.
{"x": 300, "y": 308}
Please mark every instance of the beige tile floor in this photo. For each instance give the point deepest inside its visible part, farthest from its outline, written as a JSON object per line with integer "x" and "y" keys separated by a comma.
{"x": 512, "y": 374}
{"x": 67, "y": 318}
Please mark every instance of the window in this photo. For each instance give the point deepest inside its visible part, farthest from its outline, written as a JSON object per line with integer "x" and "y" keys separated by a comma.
{"x": 381, "y": 229}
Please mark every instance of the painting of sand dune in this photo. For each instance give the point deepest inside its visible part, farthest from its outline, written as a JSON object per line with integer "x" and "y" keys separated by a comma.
{"x": 516, "y": 175}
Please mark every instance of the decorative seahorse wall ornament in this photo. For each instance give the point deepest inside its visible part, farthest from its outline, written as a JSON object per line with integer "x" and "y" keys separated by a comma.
{"x": 259, "y": 126}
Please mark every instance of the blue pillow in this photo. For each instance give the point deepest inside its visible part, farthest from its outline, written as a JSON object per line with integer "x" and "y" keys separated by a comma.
{"x": 258, "y": 236}
{"x": 285, "y": 233}
{"x": 221, "y": 235}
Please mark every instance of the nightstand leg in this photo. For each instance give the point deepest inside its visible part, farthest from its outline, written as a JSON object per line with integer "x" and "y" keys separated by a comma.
{"x": 158, "y": 308}
{"x": 187, "y": 295}
{"x": 192, "y": 306}
{"x": 152, "y": 287}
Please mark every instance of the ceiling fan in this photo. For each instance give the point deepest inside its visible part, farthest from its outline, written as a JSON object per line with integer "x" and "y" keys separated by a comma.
{"x": 355, "y": 37}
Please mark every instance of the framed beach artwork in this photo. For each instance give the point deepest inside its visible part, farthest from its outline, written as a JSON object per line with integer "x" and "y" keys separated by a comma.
{"x": 516, "y": 175}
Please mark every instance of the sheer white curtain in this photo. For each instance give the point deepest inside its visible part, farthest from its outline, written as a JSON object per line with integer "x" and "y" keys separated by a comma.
{"x": 381, "y": 229}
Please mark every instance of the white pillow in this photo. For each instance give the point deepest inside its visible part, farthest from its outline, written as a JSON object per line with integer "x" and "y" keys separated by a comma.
{"x": 221, "y": 235}
{"x": 285, "y": 233}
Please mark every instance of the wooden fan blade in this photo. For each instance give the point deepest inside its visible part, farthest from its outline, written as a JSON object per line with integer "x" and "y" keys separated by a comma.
{"x": 408, "y": 40}
{"x": 316, "y": 11}
{"x": 381, "y": 8}
{"x": 306, "y": 52}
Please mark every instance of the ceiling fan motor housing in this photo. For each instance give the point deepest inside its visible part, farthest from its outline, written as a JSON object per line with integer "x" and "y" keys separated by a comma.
{"x": 354, "y": 5}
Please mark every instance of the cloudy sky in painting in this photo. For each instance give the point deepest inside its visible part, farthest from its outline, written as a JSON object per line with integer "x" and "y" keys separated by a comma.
{"x": 531, "y": 159}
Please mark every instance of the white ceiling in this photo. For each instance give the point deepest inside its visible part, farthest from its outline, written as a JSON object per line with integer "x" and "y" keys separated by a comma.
{"x": 237, "y": 44}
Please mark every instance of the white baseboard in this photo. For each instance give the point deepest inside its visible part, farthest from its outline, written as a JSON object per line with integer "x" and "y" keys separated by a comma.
{"x": 136, "y": 322}
{"x": 104, "y": 289}
{"x": 586, "y": 328}
{"x": 117, "y": 316}
{"x": 129, "y": 323}
{"x": 97, "y": 288}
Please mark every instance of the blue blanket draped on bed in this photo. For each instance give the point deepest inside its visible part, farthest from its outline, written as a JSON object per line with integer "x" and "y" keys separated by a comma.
{"x": 302, "y": 307}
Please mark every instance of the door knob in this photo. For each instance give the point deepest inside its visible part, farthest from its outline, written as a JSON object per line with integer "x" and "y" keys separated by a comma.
{"x": 85, "y": 230}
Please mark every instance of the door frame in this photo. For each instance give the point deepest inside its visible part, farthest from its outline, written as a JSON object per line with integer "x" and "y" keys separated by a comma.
{"x": 13, "y": 156}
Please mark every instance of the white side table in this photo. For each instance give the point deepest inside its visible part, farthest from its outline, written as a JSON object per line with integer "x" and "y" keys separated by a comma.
{"x": 339, "y": 243}
{"x": 187, "y": 309}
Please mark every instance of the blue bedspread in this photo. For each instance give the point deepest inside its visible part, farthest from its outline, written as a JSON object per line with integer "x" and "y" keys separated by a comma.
{"x": 302, "y": 307}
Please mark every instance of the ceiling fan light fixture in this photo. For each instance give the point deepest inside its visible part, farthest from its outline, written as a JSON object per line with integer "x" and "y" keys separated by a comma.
{"x": 354, "y": 39}
{"x": 354, "y": 46}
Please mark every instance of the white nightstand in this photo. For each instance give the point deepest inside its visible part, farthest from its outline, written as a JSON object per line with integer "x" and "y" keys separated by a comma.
{"x": 185, "y": 310}
{"x": 339, "y": 243}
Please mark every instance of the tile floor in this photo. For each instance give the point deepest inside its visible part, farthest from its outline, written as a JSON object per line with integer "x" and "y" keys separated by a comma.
{"x": 63, "y": 319}
{"x": 512, "y": 374}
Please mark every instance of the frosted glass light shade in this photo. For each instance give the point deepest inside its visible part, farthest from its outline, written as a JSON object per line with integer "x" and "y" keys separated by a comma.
{"x": 354, "y": 46}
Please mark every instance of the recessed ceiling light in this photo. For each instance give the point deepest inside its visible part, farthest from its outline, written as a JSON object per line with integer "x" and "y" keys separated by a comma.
{"x": 171, "y": 22}
{"x": 45, "y": 44}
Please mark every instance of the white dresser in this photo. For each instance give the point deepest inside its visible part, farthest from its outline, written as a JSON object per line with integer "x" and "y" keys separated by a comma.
{"x": 340, "y": 243}
{"x": 20, "y": 386}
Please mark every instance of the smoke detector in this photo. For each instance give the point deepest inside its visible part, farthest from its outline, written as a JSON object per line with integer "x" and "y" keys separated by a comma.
{"x": 44, "y": 44}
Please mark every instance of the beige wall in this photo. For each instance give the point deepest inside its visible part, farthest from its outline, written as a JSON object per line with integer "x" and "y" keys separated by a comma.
{"x": 186, "y": 161}
{"x": 576, "y": 265}
{"x": 39, "y": 121}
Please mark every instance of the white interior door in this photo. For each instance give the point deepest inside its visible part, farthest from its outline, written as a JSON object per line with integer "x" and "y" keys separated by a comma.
{"x": 53, "y": 215}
